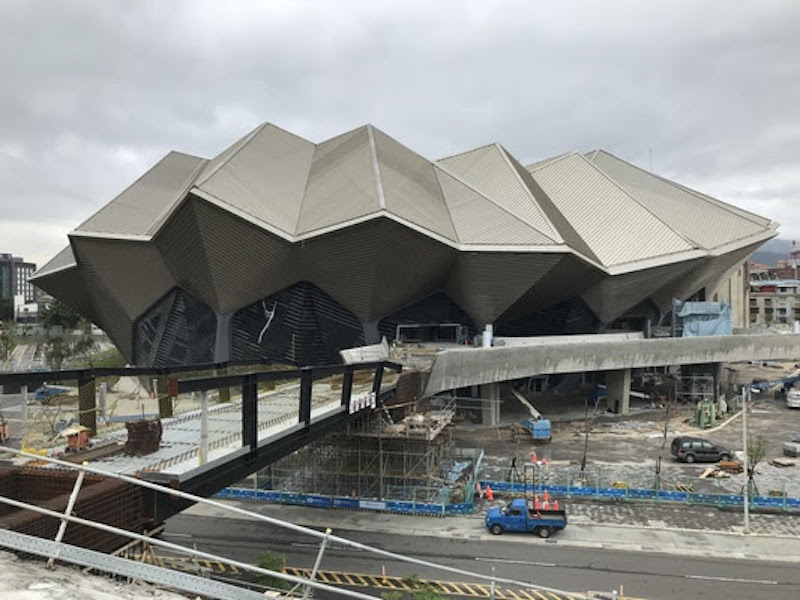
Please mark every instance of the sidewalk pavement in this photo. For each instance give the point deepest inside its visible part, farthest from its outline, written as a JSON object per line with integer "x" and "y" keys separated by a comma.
{"x": 688, "y": 530}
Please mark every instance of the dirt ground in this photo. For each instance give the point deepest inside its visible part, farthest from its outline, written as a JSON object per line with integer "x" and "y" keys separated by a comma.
{"x": 625, "y": 449}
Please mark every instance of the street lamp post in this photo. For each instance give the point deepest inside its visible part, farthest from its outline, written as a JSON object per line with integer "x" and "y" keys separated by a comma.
{"x": 745, "y": 396}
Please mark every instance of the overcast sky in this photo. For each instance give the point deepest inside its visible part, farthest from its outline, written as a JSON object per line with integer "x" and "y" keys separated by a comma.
{"x": 93, "y": 93}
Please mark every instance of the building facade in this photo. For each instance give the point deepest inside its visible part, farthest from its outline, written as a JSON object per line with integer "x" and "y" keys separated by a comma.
{"x": 14, "y": 278}
{"x": 283, "y": 249}
{"x": 775, "y": 302}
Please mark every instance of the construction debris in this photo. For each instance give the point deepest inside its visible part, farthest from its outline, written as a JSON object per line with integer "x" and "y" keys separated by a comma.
{"x": 783, "y": 462}
{"x": 716, "y": 473}
{"x": 731, "y": 466}
{"x": 144, "y": 436}
{"x": 791, "y": 449}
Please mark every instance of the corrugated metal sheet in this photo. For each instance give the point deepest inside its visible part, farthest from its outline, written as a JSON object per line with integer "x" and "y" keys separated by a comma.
{"x": 618, "y": 229}
{"x": 707, "y": 272}
{"x": 139, "y": 208}
{"x": 360, "y": 266}
{"x": 567, "y": 278}
{"x": 684, "y": 210}
{"x": 411, "y": 189}
{"x": 245, "y": 262}
{"x": 184, "y": 254}
{"x": 486, "y": 284}
{"x": 265, "y": 178}
{"x": 341, "y": 184}
{"x": 62, "y": 260}
{"x": 487, "y": 170}
{"x": 134, "y": 271}
{"x": 477, "y": 220}
{"x": 614, "y": 295}
{"x": 70, "y": 288}
{"x": 108, "y": 311}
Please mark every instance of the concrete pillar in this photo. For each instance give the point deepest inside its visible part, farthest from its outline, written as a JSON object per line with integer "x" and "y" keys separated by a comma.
{"x": 618, "y": 384}
{"x": 87, "y": 403}
{"x": 222, "y": 342}
{"x": 490, "y": 404}
{"x": 371, "y": 333}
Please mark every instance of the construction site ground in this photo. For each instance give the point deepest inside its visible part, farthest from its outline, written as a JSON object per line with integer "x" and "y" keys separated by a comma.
{"x": 623, "y": 450}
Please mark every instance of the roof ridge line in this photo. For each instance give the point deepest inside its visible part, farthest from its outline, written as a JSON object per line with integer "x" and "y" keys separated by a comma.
{"x": 376, "y": 167}
{"x": 704, "y": 197}
{"x": 248, "y": 138}
{"x": 606, "y": 176}
{"x": 464, "y": 152}
{"x": 506, "y": 157}
{"x": 490, "y": 201}
{"x": 181, "y": 197}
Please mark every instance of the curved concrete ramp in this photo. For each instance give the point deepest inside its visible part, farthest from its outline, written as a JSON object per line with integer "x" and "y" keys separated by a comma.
{"x": 463, "y": 367}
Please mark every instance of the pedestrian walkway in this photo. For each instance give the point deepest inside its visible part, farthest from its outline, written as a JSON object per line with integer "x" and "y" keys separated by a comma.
{"x": 684, "y": 530}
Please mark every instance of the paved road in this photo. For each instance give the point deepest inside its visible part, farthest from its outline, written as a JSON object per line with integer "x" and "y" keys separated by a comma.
{"x": 526, "y": 558}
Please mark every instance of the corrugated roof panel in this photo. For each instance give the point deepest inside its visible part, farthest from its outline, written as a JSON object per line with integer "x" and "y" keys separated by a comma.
{"x": 411, "y": 189}
{"x": 62, "y": 260}
{"x": 223, "y": 157}
{"x": 341, "y": 184}
{"x": 265, "y": 178}
{"x": 141, "y": 206}
{"x": 683, "y": 209}
{"x": 487, "y": 170}
{"x": 70, "y": 288}
{"x": 616, "y": 227}
{"x": 479, "y": 221}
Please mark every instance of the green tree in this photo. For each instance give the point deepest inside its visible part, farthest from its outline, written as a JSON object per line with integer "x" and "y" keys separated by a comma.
{"x": 8, "y": 340}
{"x": 756, "y": 451}
{"x": 83, "y": 349}
{"x": 272, "y": 561}
{"x": 59, "y": 314}
{"x": 56, "y": 351}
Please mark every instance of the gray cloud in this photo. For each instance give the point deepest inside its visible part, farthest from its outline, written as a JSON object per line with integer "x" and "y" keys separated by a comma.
{"x": 95, "y": 92}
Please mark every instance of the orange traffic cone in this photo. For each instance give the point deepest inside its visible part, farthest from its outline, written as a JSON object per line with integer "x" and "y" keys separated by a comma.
{"x": 536, "y": 504}
{"x": 544, "y": 460}
{"x": 489, "y": 493}
{"x": 545, "y": 496}
{"x": 534, "y": 458}
{"x": 555, "y": 505}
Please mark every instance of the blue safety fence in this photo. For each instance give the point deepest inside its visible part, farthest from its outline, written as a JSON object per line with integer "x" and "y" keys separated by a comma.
{"x": 321, "y": 501}
{"x": 602, "y": 493}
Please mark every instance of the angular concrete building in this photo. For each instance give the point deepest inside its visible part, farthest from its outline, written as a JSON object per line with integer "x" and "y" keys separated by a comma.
{"x": 284, "y": 249}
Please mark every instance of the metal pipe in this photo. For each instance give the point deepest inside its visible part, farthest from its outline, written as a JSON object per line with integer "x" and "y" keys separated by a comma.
{"x": 315, "y": 568}
{"x": 62, "y": 527}
{"x": 745, "y": 397}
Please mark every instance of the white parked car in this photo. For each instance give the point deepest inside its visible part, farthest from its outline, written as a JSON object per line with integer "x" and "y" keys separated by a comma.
{"x": 793, "y": 395}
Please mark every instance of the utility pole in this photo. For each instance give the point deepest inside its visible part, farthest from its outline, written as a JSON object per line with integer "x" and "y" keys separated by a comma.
{"x": 745, "y": 397}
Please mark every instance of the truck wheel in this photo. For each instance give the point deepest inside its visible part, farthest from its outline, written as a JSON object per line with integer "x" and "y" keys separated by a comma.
{"x": 544, "y": 532}
{"x": 496, "y": 529}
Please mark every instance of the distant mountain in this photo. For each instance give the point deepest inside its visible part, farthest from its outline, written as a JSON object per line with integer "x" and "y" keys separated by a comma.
{"x": 771, "y": 252}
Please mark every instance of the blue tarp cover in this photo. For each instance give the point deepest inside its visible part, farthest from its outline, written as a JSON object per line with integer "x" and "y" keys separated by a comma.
{"x": 705, "y": 318}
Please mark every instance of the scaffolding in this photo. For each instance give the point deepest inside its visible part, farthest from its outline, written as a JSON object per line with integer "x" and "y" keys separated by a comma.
{"x": 388, "y": 454}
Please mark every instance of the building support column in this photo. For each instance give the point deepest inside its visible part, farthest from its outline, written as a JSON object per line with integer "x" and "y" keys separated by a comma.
{"x": 371, "y": 333}
{"x": 490, "y": 404}
{"x": 618, "y": 384}
{"x": 87, "y": 402}
{"x": 222, "y": 341}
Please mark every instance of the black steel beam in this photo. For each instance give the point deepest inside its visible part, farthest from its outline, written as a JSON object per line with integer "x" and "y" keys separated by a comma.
{"x": 250, "y": 412}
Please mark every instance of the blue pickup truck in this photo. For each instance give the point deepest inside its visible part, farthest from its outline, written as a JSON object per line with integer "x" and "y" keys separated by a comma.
{"x": 520, "y": 515}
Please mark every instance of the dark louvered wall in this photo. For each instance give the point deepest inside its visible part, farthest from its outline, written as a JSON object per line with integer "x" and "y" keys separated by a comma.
{"x": 308, "y": 327}
{"x": 438, "y": 308}
{"x": 177, "y": 330}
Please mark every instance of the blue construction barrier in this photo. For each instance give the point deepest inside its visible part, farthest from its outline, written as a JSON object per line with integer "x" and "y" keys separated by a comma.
{"x": 320, "y": 501}
{"x": 564, "y": 491}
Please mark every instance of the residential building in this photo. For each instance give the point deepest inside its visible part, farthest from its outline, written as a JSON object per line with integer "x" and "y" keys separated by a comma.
{"x": 14, "y": 278}
{"x": 775, "y": 302}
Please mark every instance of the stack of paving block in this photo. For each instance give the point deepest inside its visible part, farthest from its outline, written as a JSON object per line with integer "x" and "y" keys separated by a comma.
{"x": 144, "y": 436}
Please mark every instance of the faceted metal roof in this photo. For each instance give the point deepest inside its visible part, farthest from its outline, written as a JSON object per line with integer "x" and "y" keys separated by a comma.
{"x": 376, "y": 226}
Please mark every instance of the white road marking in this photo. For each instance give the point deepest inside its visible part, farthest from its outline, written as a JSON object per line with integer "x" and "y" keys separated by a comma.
{"x": 532, "y": 563}
{"x": 731, "y": 579}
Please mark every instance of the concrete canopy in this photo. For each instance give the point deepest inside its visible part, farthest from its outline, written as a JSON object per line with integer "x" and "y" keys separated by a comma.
{"x": 367, "y": 226}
